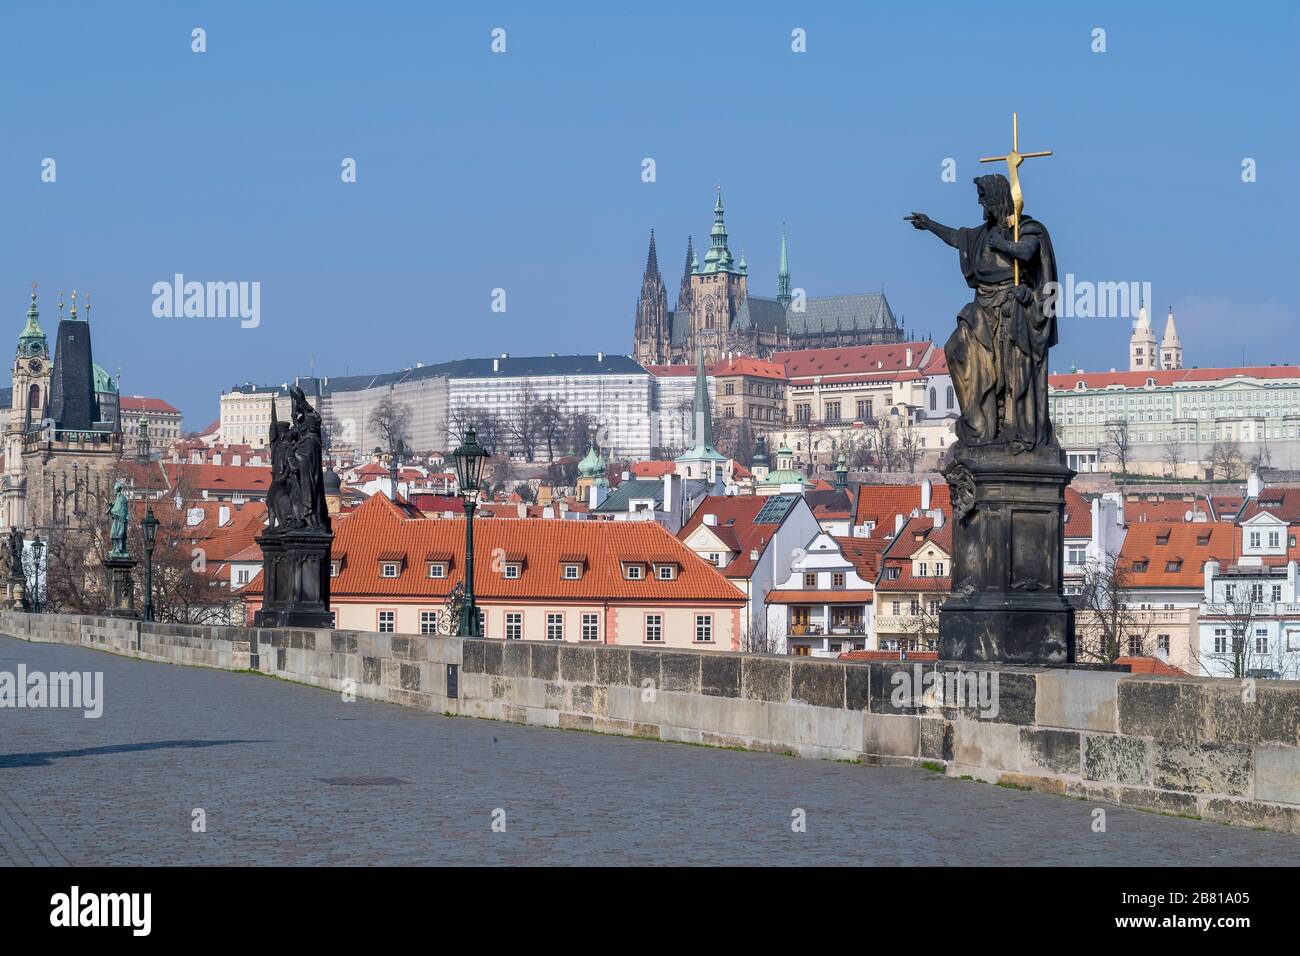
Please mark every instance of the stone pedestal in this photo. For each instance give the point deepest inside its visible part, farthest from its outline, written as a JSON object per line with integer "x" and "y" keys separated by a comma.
{"x": 15, "y": 594}
{"x": 1008, "y": 534}
{"x": 121, "y": 585}
{"x": 295, "y": 579}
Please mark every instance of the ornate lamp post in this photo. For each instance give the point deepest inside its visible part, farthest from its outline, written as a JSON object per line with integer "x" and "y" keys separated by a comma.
{"x": 149, "y": 526}
{"x": 37, "y": 547}
{"x": 470, "y": 457}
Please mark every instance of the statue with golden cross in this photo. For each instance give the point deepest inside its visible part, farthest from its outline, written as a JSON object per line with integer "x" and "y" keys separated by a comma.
{"x": 997, "y": 355}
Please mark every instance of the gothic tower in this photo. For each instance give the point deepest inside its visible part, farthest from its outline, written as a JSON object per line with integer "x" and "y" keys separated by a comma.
{"x": 718, "y": 290}
{"x": 685, "y": 301}
{"x": 31, "y": 389}
{"x": 783, "y": 276}
{"x": 1171, "y": 347}
{"x": 651, "y": 332}
{"x": 1142, "y": 354}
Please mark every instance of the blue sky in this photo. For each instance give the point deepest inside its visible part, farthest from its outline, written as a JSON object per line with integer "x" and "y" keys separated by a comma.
{"x": 522, "y": 170}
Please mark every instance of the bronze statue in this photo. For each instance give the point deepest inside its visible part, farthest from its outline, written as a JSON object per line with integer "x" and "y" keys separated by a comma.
{"x": 14, "y": 553}
{"x": 997, "y": 355}
{"x": 119, "y": 511}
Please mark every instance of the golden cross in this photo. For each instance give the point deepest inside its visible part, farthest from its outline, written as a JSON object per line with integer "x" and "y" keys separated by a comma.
{"x": 1013, "y": 160}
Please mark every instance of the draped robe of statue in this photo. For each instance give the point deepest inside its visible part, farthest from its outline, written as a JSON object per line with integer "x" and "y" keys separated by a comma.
{"x": 997, "y": 355}
{"x": 307, "y": 450}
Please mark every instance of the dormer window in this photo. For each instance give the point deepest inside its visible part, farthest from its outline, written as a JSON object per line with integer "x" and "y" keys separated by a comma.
{"x": 892, "y": 573}
{"x": 634, "y": 572}
{"x": 666, "y": 572}
{"x": 511, "y": 571}
{"x": 335, "y": 568}
{"x": 437, "y": 569}
{"x": 389, "y": 569}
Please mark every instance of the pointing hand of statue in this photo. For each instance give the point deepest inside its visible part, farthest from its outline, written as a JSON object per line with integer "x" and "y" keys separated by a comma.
{"x": 919, "y": 220}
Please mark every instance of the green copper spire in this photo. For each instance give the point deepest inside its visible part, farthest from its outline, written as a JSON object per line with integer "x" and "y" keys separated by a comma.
{"x": 32, "y": 341}
{"x": 701, "y": 451}
{"x": 718, "y": 258}
{"x": 783, "y": 277}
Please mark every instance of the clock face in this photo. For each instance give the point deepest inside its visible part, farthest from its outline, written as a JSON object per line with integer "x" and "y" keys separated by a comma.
{"x": 35, "y": 366}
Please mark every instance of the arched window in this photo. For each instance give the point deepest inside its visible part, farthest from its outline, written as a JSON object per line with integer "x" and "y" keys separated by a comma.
{"x": 934, "y": 399}
{"x": 950, "y": 396}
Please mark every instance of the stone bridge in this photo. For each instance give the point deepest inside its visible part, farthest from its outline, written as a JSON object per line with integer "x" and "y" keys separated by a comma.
{"x": 215, "y": 763}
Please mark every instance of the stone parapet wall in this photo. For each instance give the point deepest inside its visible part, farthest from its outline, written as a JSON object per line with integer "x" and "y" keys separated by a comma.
{"x": 1222, "y": 750}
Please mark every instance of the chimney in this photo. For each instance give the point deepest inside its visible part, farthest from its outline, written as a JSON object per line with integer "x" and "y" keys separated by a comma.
{"x": 178, "y": 502}
{"x": 523, "y": 510}
{"x": 937, "y": 514}
{"x": 223, "y": 516}
{"x": 668, "y": 491}
{"x": 1211, "y": 569}
{"x": 899, "y": 520}
{"x": 600, "y": 356}
{"x": 925, "y": 494}
{"x": 496, "y": 365}
{"x": 627, "y": 475}
{"x": 909, "y": 358}
{"x": 1254, "y": 485}
{"x": 548, "y": 512}
{"x": 711, "y": 520}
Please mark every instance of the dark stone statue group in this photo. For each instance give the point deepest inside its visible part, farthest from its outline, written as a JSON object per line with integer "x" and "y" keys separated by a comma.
{"x": 296, "y": 498}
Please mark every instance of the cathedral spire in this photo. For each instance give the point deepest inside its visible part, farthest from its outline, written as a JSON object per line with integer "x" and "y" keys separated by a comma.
{"x": 783, "y": 276}
{"x": 652, "y": 259}
{"x": 691, "y": 264}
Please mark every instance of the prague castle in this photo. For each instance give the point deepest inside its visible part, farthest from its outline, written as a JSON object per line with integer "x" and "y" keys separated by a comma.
{"x": 716, "y": 314}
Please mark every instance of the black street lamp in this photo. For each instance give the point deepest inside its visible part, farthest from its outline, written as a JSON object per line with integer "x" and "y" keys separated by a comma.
{"x": 470, "y": 457}
{"x": 150, "y": 528}
{"x": 37, "y": 546}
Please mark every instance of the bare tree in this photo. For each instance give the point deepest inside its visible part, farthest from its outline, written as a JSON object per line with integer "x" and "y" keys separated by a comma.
{"x": 758, "y": 639}
{"x": 1225, "y": 459}
{"x": 1108, "y": 625}
{"x": 1260, "y": 459}
{"x": 490, "y": 430}
{"x": 909, "y": 450}
{"x": 1117, "y": 444}
{"x": 1241, "y": 645}
{"x": 1175, "y": 453}
{"x": 523, "y": 426}
{"x": 391, "y": 419}
{"x": 550, "y": 424}
{"x": 884, "y": 442}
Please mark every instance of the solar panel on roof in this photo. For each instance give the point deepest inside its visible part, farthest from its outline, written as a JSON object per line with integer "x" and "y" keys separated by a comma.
{"x": 774, "y": 511}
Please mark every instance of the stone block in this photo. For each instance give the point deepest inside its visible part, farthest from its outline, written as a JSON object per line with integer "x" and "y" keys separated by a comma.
{"x": 1202, "y": 768}
{"x": 891, "y": 735}
{"x": 989, "y": 694}
{"x": 1078, "y": 700}
{"x": 1251, "y": 813}
{"x": 1168, "y": 709}
{"x": 936, "y": 738}
{"x": 819, "y": 683}
{"x": 857, "y": 686}
{"x": 978, "y": 743}
{"x": 643, "y": 666}
{"x": 1051, "y": 751}
{"x": 1115, "y": 759}
{"x": 1255, "y": 713}
{"x": 719, "y": 675}
{"x": 516, "y": 659}
{"x": 545, "y": 662}
{"x": 409, "y": 677}
{"x": 1277, "y": 774}
{"x": 679, "y": 671}
{"x": 578, "y": 663}
{"x": 896, "y": 688}
{"x": 765, "y": 678}
{"x": 1159, "y": 801}
{"x": 473, "y": 657}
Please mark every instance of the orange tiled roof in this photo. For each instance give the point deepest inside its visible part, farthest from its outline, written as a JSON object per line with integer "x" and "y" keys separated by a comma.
{"x": 1078, "y": 515}
{"x": 1140, "y": 510}
{"x": 253, "y": 478}
{"x": 743, "y": 365}
{"x": 380, "y": 527}
{"x": 880, "y": 503}
{"x": 138, "y": 403}
{"x": 1151, "y": 665}
{"x": 864, "y": 554}
{"x": 905, "y": 544}
{"x": 888, "y": 656}
{"x": 735, "y": 527}
{"x": 1280, "y": 501}
{"x": 1175, "y": 553}
{"x": 790, "y": 596}
{"x": 884, "y": 362}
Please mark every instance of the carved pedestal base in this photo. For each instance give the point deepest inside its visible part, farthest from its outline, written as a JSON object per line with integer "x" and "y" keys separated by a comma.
{"x": 1008, "y": 533}
{"x": 15, "y": 594}
{"x": 295, "y": 580}
{"x": 121, "y": 585}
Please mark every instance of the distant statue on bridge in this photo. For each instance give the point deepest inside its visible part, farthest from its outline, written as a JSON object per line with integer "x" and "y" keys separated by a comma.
{"x": 295, "y": 500}
{"x": 119, "y": 511}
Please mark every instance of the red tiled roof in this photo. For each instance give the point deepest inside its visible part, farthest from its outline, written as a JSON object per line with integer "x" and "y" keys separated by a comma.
{"x": 378, "y": 526}
{"x": 1166, "y": 510}
{"x": 735, "y": 527}
{"x": 888, "y": 656}
{"x": 1280, "y": 501}
{"x": 905, "y": 544}
{"x": 880, "y": 503}
{"x": 138, "y": 403}
{"x": 1160, "y": 543}
{"x": 1151, "y": 665}
{"x": 1078, "y": 515}
{"x": 218, "y": 477}
{"x": 743, "y": 365}
{"x": 864, "y": 554}
{"x": 884, "y": 362}
{"x": 1182, "y": 376}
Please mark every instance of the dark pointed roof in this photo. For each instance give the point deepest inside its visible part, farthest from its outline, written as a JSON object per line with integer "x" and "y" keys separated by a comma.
{"x": 652, "y": 259}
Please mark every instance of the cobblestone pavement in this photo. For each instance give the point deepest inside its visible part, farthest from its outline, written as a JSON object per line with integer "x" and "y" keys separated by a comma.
{"x": 288, "y": 774}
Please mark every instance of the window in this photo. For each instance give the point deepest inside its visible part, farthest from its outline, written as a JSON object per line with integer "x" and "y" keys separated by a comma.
{"x": 428, "y": 622}
{"x": 437, "y": 569}
{"x": 241, "y": 576}
{"x": 703, "y": 628}
{"x": 590, "y": 627}
{"x": 635, "y": 572}
{"x": 1274, "y": 539}
{"x": 514, "y": 625}
{"x": 938, "y": 569}
{"x": 510, "y": 571}
{"x": 1254, "y": 539}
{"x": 923, "y": 570}
{"x": 1162, "y": 643}
{"x": 667, "y": 572}
{"x": 654, "y": 628}
{"x": 1134, "y": 645}
{"x": 570, "y": 572}
{"x": 832, "y": 411}
{"x": 810, "y": 580}
{"x": 802, "y": 412}
{"x": 1176, "y": 565}
{"x": 554, "y": 626}
{"x": 388, "y": 569}
{"x": 891, "y": 574}
{"x": 1256, "y": 593}
{"x": 387, "y": 622}
{"x": 1261, "y": 642}
{"x": 1293, "y": 640}
{"x": 1277, "y": 593}
{"x": 1076, "y": 554}
{"x": 897, "y": 608}
{"x": 837, "y": 579}
{"x": 1220, "y": 640}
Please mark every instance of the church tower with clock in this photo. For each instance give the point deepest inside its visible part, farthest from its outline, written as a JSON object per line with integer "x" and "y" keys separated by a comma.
{"x": 31, "y": 392}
